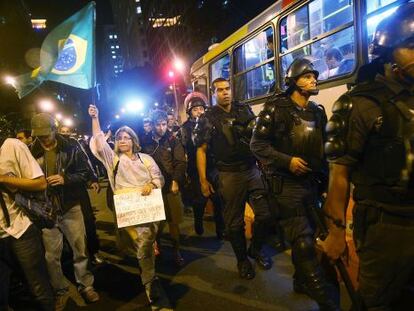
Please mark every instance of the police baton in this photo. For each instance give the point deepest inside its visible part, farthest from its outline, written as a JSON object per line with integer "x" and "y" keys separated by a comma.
{"x": 317, "y": 214}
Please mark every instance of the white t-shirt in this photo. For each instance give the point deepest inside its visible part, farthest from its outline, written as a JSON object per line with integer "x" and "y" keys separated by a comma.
{"x": 131, "y": 173}
{"x": 16, "y": 160}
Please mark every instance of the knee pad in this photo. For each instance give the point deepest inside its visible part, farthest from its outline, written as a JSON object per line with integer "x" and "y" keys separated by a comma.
{"x": 304, "y": 248}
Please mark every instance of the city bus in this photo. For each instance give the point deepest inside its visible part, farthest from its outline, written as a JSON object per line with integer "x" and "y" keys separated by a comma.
{"x": 333, "y": 34}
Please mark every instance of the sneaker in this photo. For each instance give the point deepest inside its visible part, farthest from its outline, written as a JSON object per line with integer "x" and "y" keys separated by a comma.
{"x": 97, "y": 260}
{"x": 90, "y": 295}
{"x": 61, "y": 300}
{"x": 263, "y": 261}
{"x": 178, "y": 259}
{"x": 157, "y": 296}
{"x": 246, "y": 270}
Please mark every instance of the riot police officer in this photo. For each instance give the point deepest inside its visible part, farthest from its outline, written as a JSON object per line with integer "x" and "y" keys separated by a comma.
{"x": 370, "y": 143}
{"x": 224, "y": 132}
{"x": 288, "y": 140}
{"x": 196, "y": 103}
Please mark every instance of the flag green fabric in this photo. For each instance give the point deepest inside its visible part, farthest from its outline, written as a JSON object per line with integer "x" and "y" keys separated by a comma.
{"x": 67, "y": 55}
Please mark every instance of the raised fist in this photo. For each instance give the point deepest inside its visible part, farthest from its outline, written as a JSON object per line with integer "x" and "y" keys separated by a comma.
{"x": 93, "y": 111}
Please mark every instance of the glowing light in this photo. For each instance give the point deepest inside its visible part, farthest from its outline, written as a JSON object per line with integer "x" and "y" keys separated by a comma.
{"x": 156, "y": 104}
{"x": 58, "y": 116}
{"x": 171, "y": 74}
{"x": 134, "y": 105}
{"x": 46, "y": 105}
{"x": 117, "y": 116}
{"x": 179, "y": 64}
{"x": 67, "y": 122}
{"x": 10, "y": 80}
{"x": 123, "y": 110}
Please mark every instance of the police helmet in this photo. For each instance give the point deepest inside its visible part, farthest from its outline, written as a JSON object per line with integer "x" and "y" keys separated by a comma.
{"x": 195, "y": 99}
{"x": 297, "y": 68}
{"x": 395, "y": 30}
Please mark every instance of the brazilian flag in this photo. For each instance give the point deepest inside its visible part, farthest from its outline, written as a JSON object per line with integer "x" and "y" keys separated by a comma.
{"x": 67, "y": 55}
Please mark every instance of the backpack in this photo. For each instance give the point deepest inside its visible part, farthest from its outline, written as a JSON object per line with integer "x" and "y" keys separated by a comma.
{"x": 36, "y": 205}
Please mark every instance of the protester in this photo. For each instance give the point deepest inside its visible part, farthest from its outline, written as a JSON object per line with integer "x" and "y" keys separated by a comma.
{"x": 168, "y": 153}
{"x": 196, "y": 103}
{"x": 19, "y": 238}
{"x": 128, "y": 168}
{"x": 25, "y": 136}
{"x": 92, "y": 240}
{"x": 66, "y": 170}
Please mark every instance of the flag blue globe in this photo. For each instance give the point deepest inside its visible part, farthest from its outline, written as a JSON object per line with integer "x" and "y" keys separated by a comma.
{"x": 67, "y": 56}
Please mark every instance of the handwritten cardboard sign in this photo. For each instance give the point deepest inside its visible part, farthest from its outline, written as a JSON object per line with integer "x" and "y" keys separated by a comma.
{"x": 132, "y": 208}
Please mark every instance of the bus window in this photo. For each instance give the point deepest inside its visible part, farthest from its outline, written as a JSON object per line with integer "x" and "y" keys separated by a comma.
{"x": 254, "y": 66}
{"x": 332, "y": 55}
{"x": 326, "y": 15}
{"x": 377, "y": 4}
{"x": 220, "y": 68}
{"x": 294, "y": 29}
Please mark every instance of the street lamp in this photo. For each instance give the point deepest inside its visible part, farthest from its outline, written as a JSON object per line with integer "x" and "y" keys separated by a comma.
{"x": 179, "y": 65}
{"x": 46, "y": 105}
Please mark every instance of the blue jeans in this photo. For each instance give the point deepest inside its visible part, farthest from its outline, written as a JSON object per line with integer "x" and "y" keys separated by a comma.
{"x": 27, "y": 254}
{"x": 73, "y": 228}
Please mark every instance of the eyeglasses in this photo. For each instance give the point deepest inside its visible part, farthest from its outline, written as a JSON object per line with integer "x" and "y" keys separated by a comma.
{"x": 123, "y": 138}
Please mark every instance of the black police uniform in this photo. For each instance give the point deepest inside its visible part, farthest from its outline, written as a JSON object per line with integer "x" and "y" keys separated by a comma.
{"x": 285, "y": 130}
{"x": 370, "y": 132}
{"x": 227, "y": 136}
{"x": 197, "y": 200}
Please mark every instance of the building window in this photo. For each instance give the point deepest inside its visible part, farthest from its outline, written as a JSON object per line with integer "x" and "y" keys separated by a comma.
{"x": 139, "y": 10}
{"x": 115, "y": 37}
{"x": 113, "y": 52}
{"x": 112, "y": 47}
{"x": 115, "y": 66}
{"x": 113, "y": 56}
{"x": 111, "y": 36}
{"x": 117, "y": 46}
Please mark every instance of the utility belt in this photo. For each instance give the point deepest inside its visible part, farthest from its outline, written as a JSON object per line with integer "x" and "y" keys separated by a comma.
{"x": 369, "y": 212}
{"x": 234, "y": 167}
{"x": 383, "y": 194}
{"x": 275, "y": 181}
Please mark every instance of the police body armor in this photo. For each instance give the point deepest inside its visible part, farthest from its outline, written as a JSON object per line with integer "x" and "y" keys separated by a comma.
{"x": 385, "y": 172}
{"x": 230, "y": 134}
{"x": 294, "y": 134}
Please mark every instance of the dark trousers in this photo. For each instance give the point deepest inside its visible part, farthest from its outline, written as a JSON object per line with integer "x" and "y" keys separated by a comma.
{"x": 28, "y": 254}
{"x": 198, "y": 201}
{"x": 296, "y": 199}
{"x": 92, "y": 241}
{"x": 237, "y": 188}
{"x": 386, "y": 255}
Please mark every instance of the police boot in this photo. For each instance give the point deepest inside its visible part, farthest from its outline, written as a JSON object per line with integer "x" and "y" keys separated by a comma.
{"x": 238, "y": 243}
{"x": 316, "y": 285}
{"x": 255, "y": 250}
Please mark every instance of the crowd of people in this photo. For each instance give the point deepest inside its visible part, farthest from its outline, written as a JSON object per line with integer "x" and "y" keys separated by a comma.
{"x": 283, "y": 163}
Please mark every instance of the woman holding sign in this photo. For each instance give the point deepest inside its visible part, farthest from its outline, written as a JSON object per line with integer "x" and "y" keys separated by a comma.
{"x": 127, "y": 168}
